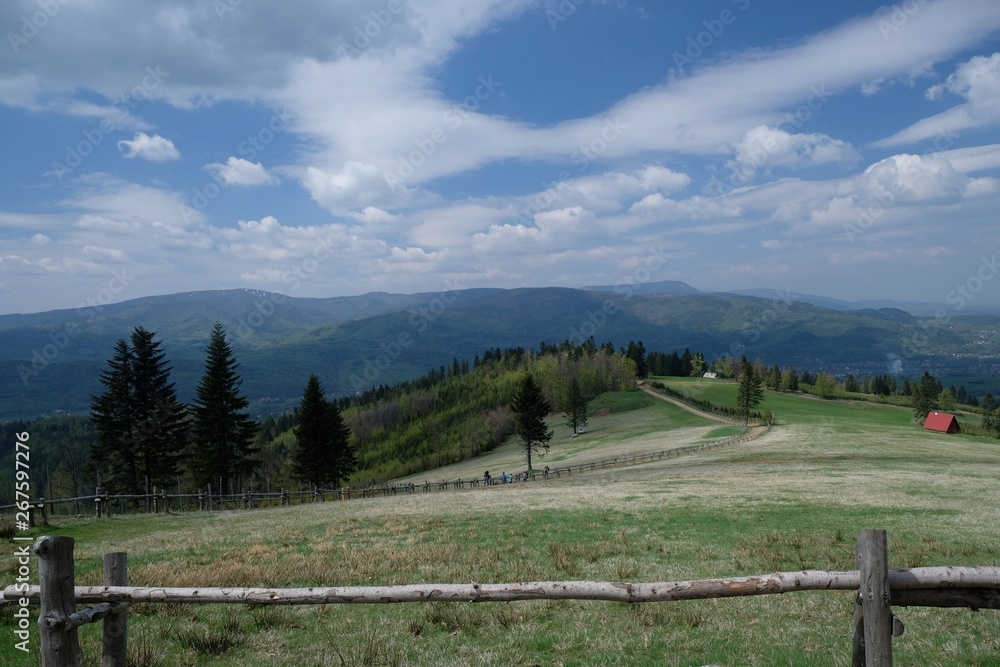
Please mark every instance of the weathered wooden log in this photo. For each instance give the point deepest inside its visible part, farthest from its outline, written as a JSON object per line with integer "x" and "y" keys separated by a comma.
{"x": 95, "y": 613}
{"x": 957, "y": 578}
{"x": 973, "y": 598}
{"x": 59, "y": 642}
{"x": 115, "y": 634}
{"x": 874, "y": 595}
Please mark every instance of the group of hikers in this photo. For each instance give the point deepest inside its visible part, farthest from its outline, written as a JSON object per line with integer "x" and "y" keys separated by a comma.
{"x": 508, "y": 479}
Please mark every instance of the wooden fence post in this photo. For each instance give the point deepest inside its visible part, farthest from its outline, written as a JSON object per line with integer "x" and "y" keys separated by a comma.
{"x": 116, "y": 625}
{"x": 875, "y": 624}
{"x": 59, "y": 647}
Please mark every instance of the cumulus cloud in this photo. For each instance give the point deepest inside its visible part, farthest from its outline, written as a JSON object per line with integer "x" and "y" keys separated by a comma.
{"x": 910, "y": 178}
{"x": 237, "y": 171}
{"x": 764, "y": 147}
{"x": 153, "y": 148}
{"x": 356, "y": 186}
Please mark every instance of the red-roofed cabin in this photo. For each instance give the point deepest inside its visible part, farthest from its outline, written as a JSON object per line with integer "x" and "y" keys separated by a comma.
{"x": 941, "y": 421}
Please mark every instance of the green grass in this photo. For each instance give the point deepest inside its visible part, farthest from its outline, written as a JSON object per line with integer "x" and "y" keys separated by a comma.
{"x": 793, "y": 499}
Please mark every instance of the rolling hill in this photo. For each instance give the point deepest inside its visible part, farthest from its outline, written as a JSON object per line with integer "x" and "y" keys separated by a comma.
{"x": 50, "y": 362}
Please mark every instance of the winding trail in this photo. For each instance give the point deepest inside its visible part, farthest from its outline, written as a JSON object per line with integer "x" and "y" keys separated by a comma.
{"x": 755, "y": 432}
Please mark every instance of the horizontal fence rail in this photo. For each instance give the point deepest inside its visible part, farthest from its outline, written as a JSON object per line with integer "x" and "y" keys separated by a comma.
{"x": 943, "y": 578}
{"x": 876, "y": 588}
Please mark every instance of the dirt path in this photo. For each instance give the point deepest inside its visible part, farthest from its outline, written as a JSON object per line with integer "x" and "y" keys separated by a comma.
{"x": 754, "y": 432}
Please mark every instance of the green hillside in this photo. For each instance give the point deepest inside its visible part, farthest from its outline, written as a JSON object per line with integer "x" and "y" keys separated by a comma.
{"x": 794, "y": 499}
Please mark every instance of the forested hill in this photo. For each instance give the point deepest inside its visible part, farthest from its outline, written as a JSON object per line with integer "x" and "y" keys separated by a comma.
{"x": 51, "y": 361}
{"x": 445, "y": 416}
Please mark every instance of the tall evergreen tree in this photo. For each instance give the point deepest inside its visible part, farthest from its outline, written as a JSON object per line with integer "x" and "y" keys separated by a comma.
{"x": 142, "y": 427}
{"x": 989, "y": 407}
{"x": 323, "y": 455}
{"x": 774, "y": 378}
{"x": 112, "y": 414}
{"x": 575, "y": 406}
{"x": 223, "y": 432}
{"x": 925, "y": 393}
{"x": 530, "y": 407}
{"x": 637, "y": 353}
{"x": 749, "y": 393}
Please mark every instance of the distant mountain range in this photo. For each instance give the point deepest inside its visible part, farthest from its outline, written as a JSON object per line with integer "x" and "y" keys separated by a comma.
{"x": 911, "y": 307}
{"x": 50, "y": 362}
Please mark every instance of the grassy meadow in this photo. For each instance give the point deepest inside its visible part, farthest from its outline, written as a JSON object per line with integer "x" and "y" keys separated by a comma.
{"x": 793, "y": 499}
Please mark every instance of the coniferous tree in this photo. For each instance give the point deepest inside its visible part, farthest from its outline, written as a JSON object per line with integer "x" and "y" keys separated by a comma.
{"x": 323, "y": 455}
{"x": 529, "y": 408}
{"x": 637, "y": 353}
{"x": 749, "y": 393}
{"x": 141, "y": 426}
{"x": 989, "y": 407}
{"x": 111, "y": 412}
{"x": 575, "y": 406}
{"x": 223, "y": 432}
{"x": 774, "y": 378}
{"x": 925, "y": 395}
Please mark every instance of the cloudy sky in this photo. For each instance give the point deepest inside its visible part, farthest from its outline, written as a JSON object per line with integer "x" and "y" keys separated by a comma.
{"x": 322, "y": 148}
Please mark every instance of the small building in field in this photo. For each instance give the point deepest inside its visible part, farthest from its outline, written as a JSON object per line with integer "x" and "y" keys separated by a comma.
{"x": 941, "y": 421}
{"x": 710, "y": 375}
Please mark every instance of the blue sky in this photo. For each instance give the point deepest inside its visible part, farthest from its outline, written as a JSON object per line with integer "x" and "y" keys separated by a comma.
{"x": 323, "y": 149}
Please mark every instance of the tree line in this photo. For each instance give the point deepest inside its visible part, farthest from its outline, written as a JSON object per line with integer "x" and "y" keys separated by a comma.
{"x": 146, "y": 437}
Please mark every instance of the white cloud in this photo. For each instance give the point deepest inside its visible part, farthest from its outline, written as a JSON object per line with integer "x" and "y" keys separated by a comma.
{"x": 237, "y": 171}
{"x": 978, "y": 82}
{"x": 153, "y": 148}
{"x": 695, "y": 208}
{"x": 356, "y": 186}
{"x": 910, "y": 178}
{"x": 764, "y": 147}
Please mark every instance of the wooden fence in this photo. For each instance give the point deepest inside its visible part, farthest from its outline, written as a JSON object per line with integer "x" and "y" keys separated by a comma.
{"x": 159, "y": 500}
{"x": 877, "y": 589}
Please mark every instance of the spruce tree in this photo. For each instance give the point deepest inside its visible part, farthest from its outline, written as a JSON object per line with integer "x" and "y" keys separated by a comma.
{"x": 141, "y": 426}
{"x": 989, "y": 407}
{"x": 749, "y": 394}
{"x": 925, "y": 395}
{"x": 161, "y": 420}
{"x": 111, "y": 412}
{"x": 223, "y": 432}
{"x": 323, "y": 455}
{"x": 529, "y": 409}
{"x": 575, "y": 406}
